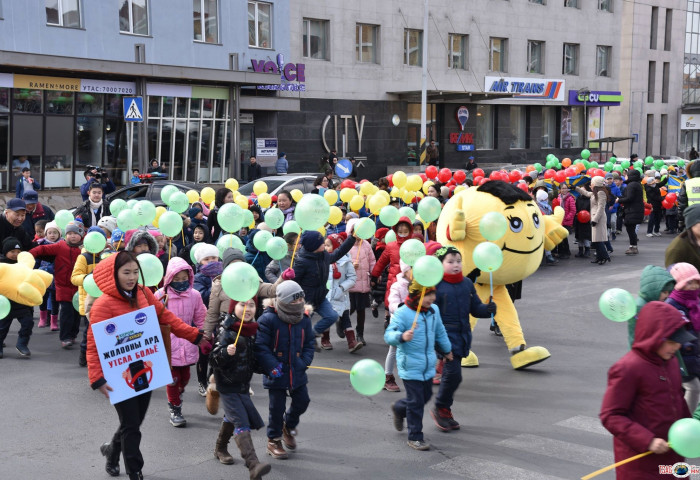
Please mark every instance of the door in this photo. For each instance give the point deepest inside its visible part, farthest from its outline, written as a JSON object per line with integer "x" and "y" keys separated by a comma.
{"x": 247, "y": 146}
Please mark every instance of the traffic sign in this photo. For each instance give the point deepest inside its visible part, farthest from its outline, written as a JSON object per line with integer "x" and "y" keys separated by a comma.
{"x": 133, "y": 109}
{"x": 343, "y": 168}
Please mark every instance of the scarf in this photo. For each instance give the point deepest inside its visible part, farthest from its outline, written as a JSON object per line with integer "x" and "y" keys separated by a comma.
{"x": 93, "y": 207}
{"x": 453, "y": 277}
{"x": 291, "y": 313}
{"x": 212, "y": 269}
{"x": 690, "y": 299}
{"x": 412, "y": 302}
{"x": 250, "y": 329}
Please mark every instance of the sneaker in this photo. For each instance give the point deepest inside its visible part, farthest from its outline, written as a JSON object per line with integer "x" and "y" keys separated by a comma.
{"x": 398, "y": 419}
{"x": 657, "y": 234}
{"x": 650, "y": 234}
{"x": 66, "y": 344}
{"x": 496, "y": 329}
{"x": 419, "y": 445}
{"x": 202, "y": 390}
{"x": 24, "y": 351}
{"x": 440, "y": 416}
{"x": 360, "y": 339}
{"x": 176, "y": 418}
{"x": 326, "y": 341}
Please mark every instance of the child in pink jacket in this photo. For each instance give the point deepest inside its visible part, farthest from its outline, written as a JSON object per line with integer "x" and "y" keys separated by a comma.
{"x": 360, "y": 293}
{"x": 184, "y": 301}
{"x": 397, "y": 296}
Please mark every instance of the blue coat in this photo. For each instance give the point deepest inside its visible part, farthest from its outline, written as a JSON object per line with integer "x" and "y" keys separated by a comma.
{"x": 19, "y": 190}
{"x": 456, "y": 302}
{"x": 202, "y": 284}
{"x": 416, "y": 359}
{"x": 281, "y": 342}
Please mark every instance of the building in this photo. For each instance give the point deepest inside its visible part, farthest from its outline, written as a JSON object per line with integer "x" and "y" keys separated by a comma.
{"x": 689, "y": 126}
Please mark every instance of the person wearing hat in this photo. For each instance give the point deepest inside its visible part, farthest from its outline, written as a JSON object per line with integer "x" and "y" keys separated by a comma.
{"x": 24, "y": 314}
{"x": 95, "y": 207}
{"x": 281, "y": 165}
{"x": 11, "y": 223}
{"x": 686, "y": 246}
{"x": 35, "y": 212}
{"x": 471, "y": 164}
{"x": 108, "y": 224}
{"x": 52, "y": 234}
{"x": 600, "y": 197}
{"x": 631, "y": 408}
{"x": 632, "y": 200}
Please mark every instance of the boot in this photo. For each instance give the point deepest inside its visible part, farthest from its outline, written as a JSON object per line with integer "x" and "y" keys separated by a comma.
{"x": 288, "y": 439}
{"x": 438, "y": 372}
{"x": 111, "y": 453}
{"x": 353, "y": 345}
{"x": 255, "y": 467}
{"x": 43, "y": 318}
{"x": 82, "y": 358}
{"x": 339, "y": 329}
{"x": 176, "y": 418}
{"x": 326, "y": 341}
{"x": 221, "y": 452}
{"x": 275, "y": 448}
{"x": 632, "y": 250}
{"x": 54, "y": 323}
{"x": 390, "y": 384}
{"x": 136, "y": 476}
{"x": 22, "y": 347}
{"x": 580, "y": 252}
{"x": 212, "y": 401}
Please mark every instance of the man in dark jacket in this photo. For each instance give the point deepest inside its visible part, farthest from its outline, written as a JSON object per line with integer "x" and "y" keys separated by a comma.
{"x": 633, "y": 201}
{"x": 94, "y": 208}
{"x": 11, "y": 223}
{"x": 254, "y": 170}
{"x": 653, "y": 189}
{"x": 108, "y": 185}
{"x": 35, "y": 212}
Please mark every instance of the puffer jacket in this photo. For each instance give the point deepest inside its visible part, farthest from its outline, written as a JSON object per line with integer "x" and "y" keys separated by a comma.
{"x": 568, "y": 203}
{"x": 275, "y": 268}
{"x": 652, "y": 282}
{"x": 64, "y": 257}
{"x": 133, "y": 237}
{"x": 365, "y": 264}
{"x": 338, "y": 294}
{"x": 391, "y": 257}
{"x": 416, "y": 359}
{"x": 233, "y": 372}
{"x": 112, "y": 304}
{"x": 203, "y": 284}
{"x": 188, "y": 306}
{"x": 84, "y": 266}
{"x": 290, "y": 344}
{"x": 398, "y": 292}
{"x": 690, "y": 351}
{"x": 456, "y": 302}
{"x": 633, "y": 199}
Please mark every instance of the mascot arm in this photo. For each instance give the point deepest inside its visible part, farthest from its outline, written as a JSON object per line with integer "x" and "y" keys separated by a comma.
{"x": 23, "y": 285}
{"x": 457, "y": 225}
{"x": 554, "y": 233}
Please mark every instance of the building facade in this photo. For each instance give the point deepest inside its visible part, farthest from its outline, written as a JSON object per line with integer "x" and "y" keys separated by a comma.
{"x": 689, "y": 124}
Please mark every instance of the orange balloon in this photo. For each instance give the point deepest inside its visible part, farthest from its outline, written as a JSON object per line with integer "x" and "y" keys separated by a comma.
{"x": 530, "y": 168}
{"x": 580, "y": 166}
{"x": 566, "y": 163}
{"x": 663, "y": 191}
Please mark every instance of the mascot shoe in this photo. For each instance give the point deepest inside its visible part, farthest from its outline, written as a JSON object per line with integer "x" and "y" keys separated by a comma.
{"x": 528, "y": 356}
{"x": 470, "y": 361}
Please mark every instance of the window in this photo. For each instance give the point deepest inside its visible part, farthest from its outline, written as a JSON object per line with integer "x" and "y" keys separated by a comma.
{"x": 413, "y": 47}
{"x": 572, "y": 128}
{"x": 650, "y": 134}
{"x": 570, "y": 60}
{"x": 538, "y": 2}
{"x": 662, "y": 135}
{"x": 571, "y": 3}
{"x": 664, "y": 82}
{"x": 605, "y": 5}
{"x": 484, "y": 127}
{"x": 549, "y": 127}
{"x": 651, "y": 82}
{"x": 315, "y": 39}
{"x": 457, "y": 56}
{"x": 206, "y": 20}
{"x": 260, "y": 24}
{"x": 133, "y": 17}
{"x": 654, "y": 30}
{"x": 367, "y": 43}
{"x": 498, "y": 58}
{"x": 602, "y": 61}
{"x": 63, "y": 13}
{"x": 535, "y": 56}
{"x": 518, "y": 127}
{"x": 667, "y": 31}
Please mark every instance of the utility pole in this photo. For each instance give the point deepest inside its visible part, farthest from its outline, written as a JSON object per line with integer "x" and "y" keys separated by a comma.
{"x": 424, "y": 92}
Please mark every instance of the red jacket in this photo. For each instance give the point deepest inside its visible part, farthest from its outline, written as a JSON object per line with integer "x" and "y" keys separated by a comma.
{"x": 568, "y": 203}
{"x": 390, "y": 256}
{"x": 644, "y": 395}
{"x": 64, "y": 257}
{"x": 111, "y": 304}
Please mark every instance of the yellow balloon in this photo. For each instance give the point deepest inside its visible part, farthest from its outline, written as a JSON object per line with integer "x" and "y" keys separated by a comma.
{"x": 347, "y": 194}
{"x": 395, "y": 193}
{"x": 322, "y": 231}
{"x": 160, "y": 211}
{"x": 207, "y": 194}
{"x": 459, "y": 188}
{"x": 331, "y": 196}
{"x": 399, "y": 179}
{"x": 427, "y": 185}
{"x": 408, "y": 197}
{"x": 385, "y": 195}
{"x": 366, "y": 188}
{"x": 336, "y": 215}
{"x": 192, "y": 196}
{"x": 242, "y": 201}
{"x": 375, "y": 204}
{"x": 420, "y": 195}
{"x": 231, "y": 184}
{"x": 297, "y": 194}
{"x": 264, "y": 199}
{"x": 413, "y": 183}
{"x": 356, "y": 203}
{"x": 260, "y": 187}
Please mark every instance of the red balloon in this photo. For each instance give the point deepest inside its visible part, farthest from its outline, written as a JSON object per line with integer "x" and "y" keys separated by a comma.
{"x": 647, "y": 206}
{"x": 274, "y": 198}
{"x": 477, "y": 179}
{"x": 444, "y": 175}
{"x": 647, "y": 211}
{"x": 523, "y": 187}
{"x": 556, "y": 202}
{"x": 424, "y": 177}
{"x": 514, "y": 176}
{"x": 584, "y": 216}
{"x": 451, "y": 183}
{"x": 571, "y": 172}
{"x": 351, "y": 184}
{"x": 495, "y": 175}
{"x": 389, "y": 178}
{"x": 671, "y": 197}
{"x": 549, "y": 173}
{"x": 483, "y": 180}
{"x": 478, "y": 172}
{"x": 459, "y": 176}
{"x": 600, "y": 172}
{"x": 431, "y": 171}
{"x": 560, "y": 176}
{"x": 364, "y": 180}
{"x": 666, "y": 204}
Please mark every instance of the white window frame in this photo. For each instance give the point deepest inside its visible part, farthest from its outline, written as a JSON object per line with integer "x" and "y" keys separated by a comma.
{"x": 577, "y": 50}
{"x": 60, "y": 15}
{"x": 363, "y": 41}
{"x": 306, "y": 30}
{"x": 571, "y": 4}
{"x": 407, "y": 50}
{"x": 504, "y": 54}
{"x": 605, "y": 5}
{"x": 131, "y": 20}
{"x": 608, "y": 53}
{"x": 538, "y": 2}
{"x": 463, "y": 54}
{"x": 530, "y": 45}
{"x": 257, "y": 24}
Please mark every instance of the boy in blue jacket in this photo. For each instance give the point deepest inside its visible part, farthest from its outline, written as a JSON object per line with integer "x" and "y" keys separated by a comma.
{"x": 416, "y": 358}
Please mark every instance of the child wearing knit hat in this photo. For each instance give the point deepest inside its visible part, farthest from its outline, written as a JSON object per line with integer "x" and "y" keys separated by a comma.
{"x": 52, "y": 234}
{"x": 208, "y": 267}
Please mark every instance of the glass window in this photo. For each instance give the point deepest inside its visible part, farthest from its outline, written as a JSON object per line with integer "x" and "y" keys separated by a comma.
{"x": 90, "y": 104}
{"x": 535, "y": 56}
{"x": 413, "y": 47}
{"x": 195, "y": 108}
{"x": 27, "y": 101}
{"x": 571, "y": 3}
{"x": 549, "y": 127}
{"x": 498, "y": 58}
{"x": 458, "y": 48}
{"x": 668, "y": 29}
{"x": 605, "y": 5}
{"x": 154, "y": 106}
{"x": 518, "y": 127}
{"x": 89, "y": 140}
{"x": 366, "y": 43}
{"x": 206, "y": 20}
{"x": 63, "y": 13}
{"x": 572, "y": 127}
{"x": 315, "y": 39}
{"x": 570, "y": 59}
{"x": 651, "y": 82}
{"x": 260, "y": 24}
{"x": 654, "y": 30}
{"x": 539, "y": 2}
{"x": 59, "y": 103}
{"x": 133, "y": 17}
{"x": 484, "y": 127}
{"x": 664, "y": 82}
{"x": 602, "y": 61}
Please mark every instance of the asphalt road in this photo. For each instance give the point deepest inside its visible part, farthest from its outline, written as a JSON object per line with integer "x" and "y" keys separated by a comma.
{"x": 539, "y": 423}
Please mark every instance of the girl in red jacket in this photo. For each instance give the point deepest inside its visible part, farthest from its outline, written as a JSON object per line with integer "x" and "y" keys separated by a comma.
{"x": 117, "y": 277}
{"x": 390, "y": 257}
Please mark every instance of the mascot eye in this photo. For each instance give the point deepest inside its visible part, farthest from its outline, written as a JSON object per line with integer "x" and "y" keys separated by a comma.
{"x": 536, "y": 219}
{"x": 515, "y": 224}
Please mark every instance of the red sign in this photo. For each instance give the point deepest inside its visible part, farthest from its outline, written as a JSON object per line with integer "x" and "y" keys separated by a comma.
{"x": 461, "y": 137}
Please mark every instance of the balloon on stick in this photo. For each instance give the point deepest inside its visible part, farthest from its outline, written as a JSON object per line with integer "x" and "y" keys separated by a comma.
{"x": 411, "y": 250}
{"x": 493, "y": 226}
{"x": 151, "y": 269}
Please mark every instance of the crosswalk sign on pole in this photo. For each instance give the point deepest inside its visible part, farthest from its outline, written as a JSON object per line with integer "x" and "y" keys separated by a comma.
{"x": 133, "y": 109}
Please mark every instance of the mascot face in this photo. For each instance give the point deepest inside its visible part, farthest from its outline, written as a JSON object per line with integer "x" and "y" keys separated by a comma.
{"x": 523, "y": 243}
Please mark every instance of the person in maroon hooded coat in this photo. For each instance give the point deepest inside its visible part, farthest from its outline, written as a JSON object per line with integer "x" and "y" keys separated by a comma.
{"x": 644, "y": 396}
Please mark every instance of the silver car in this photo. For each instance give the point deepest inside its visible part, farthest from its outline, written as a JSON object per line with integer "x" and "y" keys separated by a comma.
{"x": 277, "y": 183}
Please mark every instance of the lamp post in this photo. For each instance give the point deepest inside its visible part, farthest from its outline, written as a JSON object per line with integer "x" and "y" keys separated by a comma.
{"x": 584, "y": 92}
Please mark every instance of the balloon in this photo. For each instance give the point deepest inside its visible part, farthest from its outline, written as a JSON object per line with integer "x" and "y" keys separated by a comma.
{"x": 459, "y": 176}
{"x": 427, "y": 270}
{"x": 549, "y": 173}
{"x": 487, "y": 257}
{"x": 523, "y": 187}
{"x": 538, "y": 167}
{"x": 291, "y": 226}
{"x": 4, "y": 306}
{"x": 367, "y": 188}
{"x": 264, "y": 200}
{"x": 231, "y": 184}
{"x": 367, "y": 377}
{"x": 478, "y": 172}
{"x": 666, "y": 204}
{"x": 76, "y": 301}
{"x": 230, "y": 217}
{"x": 408, "y": 212}
{"x": 261, "y": 238}
{"x": 159, "y": 211}
{"x": 426, "y": 186}
{"x": 331, "y": 196}
{"x": 228, "y": 241}
{"x": 583, "y": 216}
{"x": 648, "y": 160}
{"x": 680, "y": 163}
{"x": 89, "y": 286}
{"x": 312, "y": 212}
{"x": 356, "y": 203}
{"x": 389, "y": 216}
{"x": 444, "y": 175}
{"x": 347, "y": 194}
{"x": 560, "y": 176}
{"x": 375, "y": 204}
{"x": 297, "y": 194}
{"x": 399, "y": 179}
{"x": 335, "y": 217}
{"x": 115, "y": 206}
{"x": 429, "y": 209}
{"x": 493, "y": 226}
{"x": 625, "y": 164}
{"x": 570, "y": 172}
{"x": 413, "y": 183}
{"x": 384, "y": 195}
{"x": 192, "y": 196}
{"x": 671, "y": 197}
{"x": 207, "y": 194}
{"x": 248, "y": 219}
{"x": 94, "y": 242}
{"x": 617, "y": 305}
{"x": 431, "y": 171}
{"x": 276, "y": 248}
{"x": 242, "y": 201}
{"x": 365, "y": 228}
{"x": 145, "y": 212}
{"x": 64, "y": 217}
{"x": 126, "y": 220}
{"x": 259, "y": 187}
{"x": 151, "y": 269}
{"x": 411, "y": 250}
{"x": 585, "y": 153}
{"x": 240, "y": 281}
{"x": 566, "y": 163}
{"x": 170, "y": 224}
{"x": 274, "y": 218}
{"x": 390, "y": 236}
{"x": 684, "y": 437}
{"x": 194, "y": 249}
{"x": 166, "y": 192}
{"x": 459, "y": 188}
{"x": 178, "y": 202}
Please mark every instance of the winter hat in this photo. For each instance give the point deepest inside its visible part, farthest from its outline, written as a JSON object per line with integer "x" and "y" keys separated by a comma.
{"x": 108, "y": 222}
{"x": 311, "y": 240}
{"x": 691, "y": 215}
{"x": 615, "y": 176}
{"x": 608, "y": 175}
{"x": 542, "y": 196}
{"x": 255, "y": 208}
{"x": 381, "y": 233}
{"x": 30, "y": 197}
{"x": 353, "y": 215}
{"x": 415, "y": 288}
{"x": 52, "y": 225}
{"x": 264, "y": 227}
{"x": 597, "y": 182}
{"x": 232, "y": 255}
{"x": 76, "y": 227}
{"x": 205, "y": 250}
{"x": 335, "y": 240}
{"x": 444, "y": 192}
{"x": 405, "y": 267}
{"x": 10, "y": 243}
{"x": 683, "y": 273}
{"x": 445, "y": 251}
{"x": 350, "y": 225}
{"x": 193, "y": 212}
{"x": 98, "y": 230}
{"x": 288, "y": 291}
{"x": 431, "y": 247}
{"x": 117, "y": 236}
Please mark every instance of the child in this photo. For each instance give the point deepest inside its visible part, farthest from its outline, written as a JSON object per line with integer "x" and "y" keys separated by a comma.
{"x": 208, "y": 267}
{"x": 39, "y": 230}
{"x": 108, "y": 224}
{"x": 52, "y": 234}
{"x": 234, "y": 365}
{"x": 416, "y": 347}
{"x": 140, "y": 241}
{"x": 135, "y": 176}
{"x": 360, "y": 292}
{"x": 583, "y": 230}
{"x": 179, "y": 297}
{"x": 284, "y": 348}
{"x": 542, "y": 199}
{"x": 378, "y": 290}
{"x": 65, "y": 253}
{"x": 24, "y": 314}
{"x": 397, "y": 294}
{"x": 117, "y": 240}
{"x": 341, "y": 277}
{"x": 257, "y": 258}
{"x": 655, "y": 283}
{"x": 275, "y": 268}
{"x": 200, "y": 234}
{"x": 457, "y": 299}
{"x": 644, "y": 395}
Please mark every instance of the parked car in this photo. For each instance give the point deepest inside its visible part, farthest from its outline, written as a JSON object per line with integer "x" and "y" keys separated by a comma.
{"x": 277, "y": 183}
{"x": 150, "y": 191}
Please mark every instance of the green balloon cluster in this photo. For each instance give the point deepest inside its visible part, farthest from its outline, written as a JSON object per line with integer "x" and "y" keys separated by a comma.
{"x": 493, "y": 226}
{"x": 411, "y": 250}
{"x": 145, "y": 212}
{"x": 131, "y": 203}
{"x": 365, "y": 228}
{"x": 408, "y": 212}
{"x": 178, "y": 202}
{"x": 291, "y": 227}
{"x": 4, "y": 306}
{"x": 389, "y": 216}
{"x": 312, "y": 212}
{"x": 94, "y": 242}
{"x": 229, "y": 241}
{"x": 166, "y": 192}
{"x": 428, "y": 271}
{"x": 617, "y": 304}
{"x": 276, "y": 248}
{"x": 91, "y": 287}
{"x": 260, "y": 240}
{"x": 367, "y": 377}
{"x": 240, "y": 280}
{"x": 151, "y": 269}
{"x": 487, "y": 257}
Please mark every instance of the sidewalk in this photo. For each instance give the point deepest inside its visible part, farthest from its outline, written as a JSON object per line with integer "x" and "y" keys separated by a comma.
{"x": 56, "y": 199}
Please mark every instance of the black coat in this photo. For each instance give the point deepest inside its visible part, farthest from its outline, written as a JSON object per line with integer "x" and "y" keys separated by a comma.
{"x": 582, "y": 231}
{"x": 233, "y": 373}
{"x": 254, "y": 171}
{"x": 8, "y": 230}
{"x": 633, "y": 199}
{"x": 83, "y": 212}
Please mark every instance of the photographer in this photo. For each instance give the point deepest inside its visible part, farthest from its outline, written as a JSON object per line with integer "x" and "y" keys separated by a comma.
{"x": 96, "y": 175}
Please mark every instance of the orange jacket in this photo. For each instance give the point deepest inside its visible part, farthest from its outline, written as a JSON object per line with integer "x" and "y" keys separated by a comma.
{"x": 111, "y": 304}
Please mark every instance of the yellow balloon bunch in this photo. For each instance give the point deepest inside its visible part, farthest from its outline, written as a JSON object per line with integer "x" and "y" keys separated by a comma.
{"x": 367, "y": 188}
{"x": 347, "y": 194}
{"x": 414, "y": 183}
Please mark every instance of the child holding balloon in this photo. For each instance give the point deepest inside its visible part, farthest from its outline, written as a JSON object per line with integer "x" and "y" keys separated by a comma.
{"x": 52, "y": 234}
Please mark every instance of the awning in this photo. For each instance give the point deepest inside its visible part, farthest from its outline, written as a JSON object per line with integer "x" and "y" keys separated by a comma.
{"x": 445, "y": 96}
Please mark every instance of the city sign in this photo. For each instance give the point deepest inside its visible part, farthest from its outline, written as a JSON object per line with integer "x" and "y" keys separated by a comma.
{"x": 595, "y": 99}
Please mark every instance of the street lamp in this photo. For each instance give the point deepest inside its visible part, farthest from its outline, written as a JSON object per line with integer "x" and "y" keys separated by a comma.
{"x": 584, "y": 92}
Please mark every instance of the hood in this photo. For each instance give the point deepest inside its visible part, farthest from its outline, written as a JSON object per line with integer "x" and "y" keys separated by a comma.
{"x": 693, "y": 169}
{"x": 634, "y": 176}
{"x": 104, "y": 277}
{"x": 653, "y": 281}
{"x": 207, "y": 236}
{"x": 175, "y": 265}
{"x": 655, "y": 323}
{"x": 395, "y": 228}
{"x": 230, "y": 255}
{"x": 136, "y": 237}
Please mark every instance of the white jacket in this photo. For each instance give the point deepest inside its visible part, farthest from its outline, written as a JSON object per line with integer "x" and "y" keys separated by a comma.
{"x": 338, "y": 288}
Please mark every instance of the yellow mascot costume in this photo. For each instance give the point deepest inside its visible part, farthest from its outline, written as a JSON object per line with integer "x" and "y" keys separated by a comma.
{"x": 21, "y": 284}
{"x": 529, "y": 233}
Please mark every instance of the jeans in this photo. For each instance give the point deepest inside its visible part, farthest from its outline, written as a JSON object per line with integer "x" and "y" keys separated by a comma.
{"x": 654, "y": 222}
{"x": 131, "y": 414}
{"x": 632, "y": 233}
{"x": 451, "y": 378}
{"x": 26, "y": 322}
{"x": 278, "y": 402}
{"x": 327, "y": 314}
{"x": 239, "y": 410}
{"x": 418, "y": 393}
{"x": 83, "y": 342}
{"x": 174, "y": 391}
{"x": 600, "y": 251}
{"x": 69, "y": 322}
{"x": 390, "y": 362}
{"x": 49, "y": 302}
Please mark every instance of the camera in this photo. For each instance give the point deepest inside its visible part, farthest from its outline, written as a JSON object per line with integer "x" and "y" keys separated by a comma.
{"x": 101, "y": 172}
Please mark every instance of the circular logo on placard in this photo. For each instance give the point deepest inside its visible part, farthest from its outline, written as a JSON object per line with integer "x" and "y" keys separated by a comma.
{"x": 681, "y": 470}
{"x": 140, "y": 318}
{"x": 110, "y": 328}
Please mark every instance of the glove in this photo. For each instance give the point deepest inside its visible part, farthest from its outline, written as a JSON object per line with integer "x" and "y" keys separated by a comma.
{"x": 491, "y": 308}
{"x": 373, "y": 282}
{"x": 277, "y": 371}
{"x": 593, "y": 224}
{"x": 205, "y": 346}
{"x": 288, "y": 274}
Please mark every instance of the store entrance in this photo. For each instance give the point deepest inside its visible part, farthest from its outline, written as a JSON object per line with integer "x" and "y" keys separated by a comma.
{"x": 247, "y": 146}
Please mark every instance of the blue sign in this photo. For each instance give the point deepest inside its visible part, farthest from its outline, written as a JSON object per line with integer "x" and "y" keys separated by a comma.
{"x": 465, "y": 148}
{"x": 343, "y": 168}
{"x": 133, "y": 109}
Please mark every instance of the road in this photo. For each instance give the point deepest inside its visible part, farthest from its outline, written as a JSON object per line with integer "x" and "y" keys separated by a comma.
{"x": 539, "y": 423}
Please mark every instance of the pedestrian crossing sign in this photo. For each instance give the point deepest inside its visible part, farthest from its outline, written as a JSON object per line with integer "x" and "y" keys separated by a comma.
{"x": 133, "y": 109}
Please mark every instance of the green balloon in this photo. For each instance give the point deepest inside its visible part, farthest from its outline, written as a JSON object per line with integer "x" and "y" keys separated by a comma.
{"x": 116, "y": 206}
{"x": 166, "y": 192}
{"x": 367, "y": 377}
{"x": 291, "y": 227}
{"x": 126, "y": 220}
{"x": 649, "y": 160}
{"x": 493, "y": 226}
{"x": 608, "y": 166}
{"x": 260, "y": 240}
{"x": 390, "y": 236}
{"x": 4, "y": 306}
{"x": 625, "y": 164}
{"x": 411, "y": 250}
{"x": 617, "y": 305}
{"x": 613, "y": 160}
{"x": 230, "y": 217}
{"x": 179, "y": 202}
{"x": 538, "y": 166}
{"x": 428, "y": 271}
{"x": 170, "y": 224}
{"x": 659, "y": 164}
{"x": 229, "y": 241}
{"x": 94, "y": 242}
{"x": 680, "y": 163}
{"x": 585, "y": 153}
{"x": 145, "y": 212}
{"x": 429, "y": 209}
{"x": 389, "y": 216}
{"x": 240, "y": 281}
{"x": 91, "y": 287}
{"x": 594, "y": 164}
{"x": 194, "y": 249}
{"x": 550, "y": 157}
{"x": 684, "y": 437}
{"x": 151, "y": 269}
{"x": 487, "y": 257}
{"x": 63, "y": 218}
{"x": 365, "y": 228}
{"x": 312, "y": 212}
{"x": 274, "y": 218}
{"x": 76, "y": 301}
{"x": 247, "y": 218}
{"x": 408, "y": 212}
{"x": 276, "y": 248}
{"x": 131, "y": 203}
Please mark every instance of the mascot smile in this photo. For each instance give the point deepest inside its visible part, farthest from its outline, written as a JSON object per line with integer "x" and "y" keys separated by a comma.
{"x": 528, "y": 234}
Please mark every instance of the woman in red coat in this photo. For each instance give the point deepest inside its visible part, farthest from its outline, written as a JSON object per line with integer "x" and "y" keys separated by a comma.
{"x": 390, "y": 256}
{"x": 117, "y": 277}
{"x": 644, "y": 395}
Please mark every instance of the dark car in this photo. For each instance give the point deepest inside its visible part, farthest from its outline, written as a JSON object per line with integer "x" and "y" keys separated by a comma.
{"x": 151, "y": 191}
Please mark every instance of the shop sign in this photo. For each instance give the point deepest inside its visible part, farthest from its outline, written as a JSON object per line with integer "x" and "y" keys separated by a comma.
{"x": 527, "y": 88}
{"x": 459, "y": 138}
{"x": 290, "y": 72}
{"x": 359, "y": 128}
{"x": 106, "y": 86}
{"x": 47, "y": 83}
{"x": 462, "y": 116}
{"x": 246, "y": 118}
{"x": 689, "y": 122}
{"x": 465, "y": 148}
{"x": 266, "y": 147}
{"x": 595, "y": 99}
